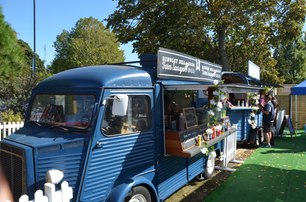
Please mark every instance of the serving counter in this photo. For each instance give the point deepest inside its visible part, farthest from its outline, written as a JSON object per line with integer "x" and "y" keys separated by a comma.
{"x": 185, "y": 143}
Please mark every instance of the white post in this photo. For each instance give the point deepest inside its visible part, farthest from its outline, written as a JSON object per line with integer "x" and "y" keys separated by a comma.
{"x": 24, "y": 198}
{"x": 39, "y": 196}
{"x": 67, "y": 192}
{"x": 50, "y": 191}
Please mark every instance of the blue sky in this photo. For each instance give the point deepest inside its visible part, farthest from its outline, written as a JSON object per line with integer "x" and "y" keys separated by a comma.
{"x": 52, "y": 17}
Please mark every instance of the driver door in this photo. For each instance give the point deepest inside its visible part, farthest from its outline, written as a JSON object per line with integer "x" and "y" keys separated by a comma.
{"x": 123, "y": 145}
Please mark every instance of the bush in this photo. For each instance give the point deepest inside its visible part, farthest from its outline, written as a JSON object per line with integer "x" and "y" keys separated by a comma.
{"x": 10, "y": 116}
{"x": 15, "y": 92}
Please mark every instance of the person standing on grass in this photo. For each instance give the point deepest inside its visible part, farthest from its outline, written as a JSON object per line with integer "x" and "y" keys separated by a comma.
{"x": 267, "y": 119}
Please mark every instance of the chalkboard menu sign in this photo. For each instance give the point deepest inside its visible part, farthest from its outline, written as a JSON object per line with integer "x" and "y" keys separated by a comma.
{"x": 190, "y": 116}
{"x": 287, "y": 120}
{"x": 173, "y": 64}
{"x": 290, "y": 125}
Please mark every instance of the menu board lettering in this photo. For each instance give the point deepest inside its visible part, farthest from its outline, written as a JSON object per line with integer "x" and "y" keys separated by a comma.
{"x": 182, "y": 66}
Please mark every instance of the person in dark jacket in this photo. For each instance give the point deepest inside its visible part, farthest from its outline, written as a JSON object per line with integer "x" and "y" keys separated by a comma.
{"x": 268, "y": 114}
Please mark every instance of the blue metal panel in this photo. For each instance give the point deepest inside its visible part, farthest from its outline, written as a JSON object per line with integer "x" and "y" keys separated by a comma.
{"x": 240, "y": 117}
{"x": 237, "y": 117}
{"x": 195, "y": 166}
{"x": 51, "y": 149}
{"x": 99, "y": 76}
{"x": 258, "y": 118}
{"x": 172, "y": 175}
{"x": 247, "y": 126}
{"x": 119, "y": 159}
{"x": 67, "y": 157}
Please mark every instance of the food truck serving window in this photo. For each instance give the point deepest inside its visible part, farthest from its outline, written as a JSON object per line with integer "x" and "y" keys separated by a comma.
{"x": 63, "y": 110}
{"x": 136, "y": 119}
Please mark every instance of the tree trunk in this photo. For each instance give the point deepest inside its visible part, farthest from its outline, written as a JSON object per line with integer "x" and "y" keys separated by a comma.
{"x": 223, "y": 56}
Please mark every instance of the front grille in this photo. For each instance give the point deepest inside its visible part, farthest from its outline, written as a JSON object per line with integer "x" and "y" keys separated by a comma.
{"x": 13, "y": 164}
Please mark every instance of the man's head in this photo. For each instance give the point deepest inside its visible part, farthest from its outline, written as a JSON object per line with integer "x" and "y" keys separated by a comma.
{"x": 267, "y": 98}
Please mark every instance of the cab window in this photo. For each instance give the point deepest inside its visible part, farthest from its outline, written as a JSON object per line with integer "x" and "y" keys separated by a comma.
{"x": 137, "y": 118}
{"x": 63, "y": 110}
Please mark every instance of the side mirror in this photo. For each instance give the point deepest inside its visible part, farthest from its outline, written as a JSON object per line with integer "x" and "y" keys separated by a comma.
{"x": 120, "y": 105}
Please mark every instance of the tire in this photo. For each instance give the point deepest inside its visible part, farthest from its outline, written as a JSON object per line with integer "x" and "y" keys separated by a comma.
{"x": 139, "y": 194}
{"x": 210, "y": 165}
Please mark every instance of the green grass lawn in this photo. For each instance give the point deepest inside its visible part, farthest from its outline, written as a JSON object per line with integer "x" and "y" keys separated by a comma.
{"x": 270, "y": 174}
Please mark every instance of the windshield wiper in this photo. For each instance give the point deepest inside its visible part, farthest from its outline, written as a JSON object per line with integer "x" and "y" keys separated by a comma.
{"x": 60, "y": 127}
{"x": 34, "y": 122}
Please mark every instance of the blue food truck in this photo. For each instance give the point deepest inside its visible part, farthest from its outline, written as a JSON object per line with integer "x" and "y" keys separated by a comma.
{"x": 117, "y": 132}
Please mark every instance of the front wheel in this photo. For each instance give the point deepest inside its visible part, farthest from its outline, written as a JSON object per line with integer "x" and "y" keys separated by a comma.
{"x": 210, "y": 165}
{"x": 139, "y": 194}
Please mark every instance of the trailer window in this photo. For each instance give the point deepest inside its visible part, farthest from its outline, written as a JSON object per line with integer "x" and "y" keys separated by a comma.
{"x": 136, "y": 120}
{"x": 63, "y": 110}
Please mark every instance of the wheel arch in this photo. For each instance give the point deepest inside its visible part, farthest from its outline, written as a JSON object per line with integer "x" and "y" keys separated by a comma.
{"x": 119, "y": 192}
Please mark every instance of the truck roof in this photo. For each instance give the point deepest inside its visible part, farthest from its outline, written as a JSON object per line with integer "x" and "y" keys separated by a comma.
{"x": 100, "y": 76}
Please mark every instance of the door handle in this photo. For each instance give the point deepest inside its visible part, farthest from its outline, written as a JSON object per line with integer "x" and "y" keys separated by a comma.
{"x": 99, "y": 144}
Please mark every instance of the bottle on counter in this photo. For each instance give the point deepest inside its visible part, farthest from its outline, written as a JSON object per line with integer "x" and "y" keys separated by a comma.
{"x": 199, "y": 140}
{"x": 242, "y": 103}
{"x": 238, "y": 104}
{"x": 219, "y": 127}
{"x": 214, "y": 132}
{"x": 222, "y": 128}
{"x": 181, "y": 122}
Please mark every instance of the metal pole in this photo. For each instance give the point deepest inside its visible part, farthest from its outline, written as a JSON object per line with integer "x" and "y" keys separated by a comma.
{"x": 296, "y": 111}
{"x": 290, "y": 106}
{"x": 34, "y": 46}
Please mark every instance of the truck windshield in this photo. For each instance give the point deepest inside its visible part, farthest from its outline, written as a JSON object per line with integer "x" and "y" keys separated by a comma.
{"x": 63, "y": 110}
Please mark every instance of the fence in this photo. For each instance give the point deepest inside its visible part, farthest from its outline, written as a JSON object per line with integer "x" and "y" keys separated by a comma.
{"x": 8, "y": 128}
{"x": 51, "y": 195}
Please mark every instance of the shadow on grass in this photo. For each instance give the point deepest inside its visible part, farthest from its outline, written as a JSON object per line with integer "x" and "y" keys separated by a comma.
{"x": 254, "y": 182}
{"x": 288, "y": 144}
{"x": 270, "y": 174}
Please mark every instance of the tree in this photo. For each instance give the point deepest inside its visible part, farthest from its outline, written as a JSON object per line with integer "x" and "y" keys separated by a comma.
{"x": 88, "y": 43}
{"x": 226, "y": 32}
{"x": 16, "y": 76}
{"x": 291, "y": 61}
{"x": 28, "y": 53}
{"x": 11, "y": 55}
{"x": 170, "y": 24}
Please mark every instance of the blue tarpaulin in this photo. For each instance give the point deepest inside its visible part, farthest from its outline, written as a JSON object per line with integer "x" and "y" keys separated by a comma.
{"x": 299, "y": 89}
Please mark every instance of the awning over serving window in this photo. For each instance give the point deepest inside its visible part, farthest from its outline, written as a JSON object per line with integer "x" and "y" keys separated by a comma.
{"x": 185, "y": 85}
{"x": 236, "y": 82}
{"x": 240, "y": 88}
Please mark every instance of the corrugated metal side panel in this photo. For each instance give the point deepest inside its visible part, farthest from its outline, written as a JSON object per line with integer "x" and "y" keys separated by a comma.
{"x": 67, "y": 158}
{"x": 172, "y": 175}
{"x": 236, "y": 118}
{"x": 247, "y": 126}
{"x": 195, "y": 166}
{"x": 240, "y": 117}
{"x": 118, "y": 159}
{"x": 259, "y": 119}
